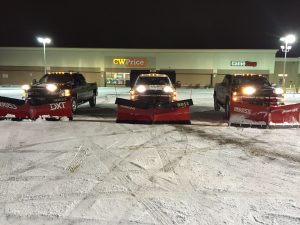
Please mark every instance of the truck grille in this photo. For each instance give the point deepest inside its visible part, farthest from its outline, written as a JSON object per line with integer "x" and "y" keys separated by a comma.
{"x": 41, "y": 93}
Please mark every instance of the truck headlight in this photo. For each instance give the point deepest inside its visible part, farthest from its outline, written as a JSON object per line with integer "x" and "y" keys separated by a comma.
{"x": 25, "y": 87}
{"x": 248, "y": 90}
{"x": 174, "y": 97}
{"x": 168, "y": 89}
{"x": 141, "y": 88}
{"x": 278, "y": 91}
{"x": 51, "y": 87}
{"x": 67, "y": 93}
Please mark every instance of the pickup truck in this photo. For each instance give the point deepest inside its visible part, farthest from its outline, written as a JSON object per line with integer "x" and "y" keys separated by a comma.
{"x": 153, "y": 87}
{"x": 251, "y": 89}
{"x": 57, "y": 85}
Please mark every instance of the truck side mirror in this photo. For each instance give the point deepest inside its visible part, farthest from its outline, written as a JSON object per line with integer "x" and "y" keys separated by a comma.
{"x": 34, "y": 81}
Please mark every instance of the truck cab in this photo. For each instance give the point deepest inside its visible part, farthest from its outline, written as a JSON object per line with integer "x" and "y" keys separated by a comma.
{"x": 252, "y": 89}
{"x": 153, "y": 87}
{"x": 58, "y": 85}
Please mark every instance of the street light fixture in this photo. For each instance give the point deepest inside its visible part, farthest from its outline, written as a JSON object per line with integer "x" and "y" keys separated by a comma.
{"x": 44, "y": 41}
{"x": 289, "y": 39}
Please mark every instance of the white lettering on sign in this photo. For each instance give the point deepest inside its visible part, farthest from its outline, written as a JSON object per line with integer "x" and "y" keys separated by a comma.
{"x": 183, "y": 104}
{"x": 290, "y": 110}
{"x": 243, "y": 63}
{"x": 127, "y": 107}
{"x": 56, "y": 106}
{"x": 242, "y": 110}
{"x": 8, "y": 105}
{"x": 237, "y": 63}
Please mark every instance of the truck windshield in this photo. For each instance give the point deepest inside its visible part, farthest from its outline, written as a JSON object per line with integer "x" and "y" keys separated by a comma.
{"x": 255, "y": 80}
{"x": 153, "y": 81}
{"x": 56, "y": 78}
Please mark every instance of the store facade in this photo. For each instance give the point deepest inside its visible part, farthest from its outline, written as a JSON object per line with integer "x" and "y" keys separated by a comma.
{"x": 107, "y": 67}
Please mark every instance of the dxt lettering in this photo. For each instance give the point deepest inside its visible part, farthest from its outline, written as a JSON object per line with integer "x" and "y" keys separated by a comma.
{"x": 56, "y": 106}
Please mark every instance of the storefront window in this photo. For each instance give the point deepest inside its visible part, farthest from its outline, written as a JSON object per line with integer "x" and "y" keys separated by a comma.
{"x": 117, "y": 78}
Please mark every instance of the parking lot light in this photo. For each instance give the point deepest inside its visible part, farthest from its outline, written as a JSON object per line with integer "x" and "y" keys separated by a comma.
{"x": 289, "y": 39}
{"x": 44, "y": 41}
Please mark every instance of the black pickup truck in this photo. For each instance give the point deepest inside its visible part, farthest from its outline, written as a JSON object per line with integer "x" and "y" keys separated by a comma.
{"x": 56, "y": 85}
{"x": 251, "y": 89}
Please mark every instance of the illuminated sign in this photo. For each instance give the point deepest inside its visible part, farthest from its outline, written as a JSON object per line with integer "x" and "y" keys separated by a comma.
{"x": 243, "y": 63}
{"x": 130, "y": 62}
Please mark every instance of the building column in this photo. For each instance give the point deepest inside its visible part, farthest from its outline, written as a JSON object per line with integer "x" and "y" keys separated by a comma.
{"x": 213, "y": 77}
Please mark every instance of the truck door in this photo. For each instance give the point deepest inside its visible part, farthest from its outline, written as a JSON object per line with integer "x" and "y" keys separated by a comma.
{"x": 225, "y": 88}
{"x": 88, "y": 91}
{"x": 78, "y": 88}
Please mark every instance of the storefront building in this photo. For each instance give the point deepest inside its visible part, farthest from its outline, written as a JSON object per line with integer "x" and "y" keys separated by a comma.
{"x": 194, "y": 68}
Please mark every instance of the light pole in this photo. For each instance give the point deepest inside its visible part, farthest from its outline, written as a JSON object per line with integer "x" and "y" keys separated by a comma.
{"x": 289, "y": 39}
{"x": 44, "y": 41}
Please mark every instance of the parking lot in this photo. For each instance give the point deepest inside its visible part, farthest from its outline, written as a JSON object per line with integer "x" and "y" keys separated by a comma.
{"x": 95, "y": 171}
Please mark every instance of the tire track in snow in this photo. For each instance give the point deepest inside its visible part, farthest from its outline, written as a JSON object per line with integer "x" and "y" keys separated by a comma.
{"x": 78, "y": 159}
{"x": 170, "y": 165}
{"x": 44, "y": 161}
{"x": 156, "y": 212}
{"x": 88, "y": 199}
{"x": 287, "y": 219}
{"x": 248, "y": 146}
{"x": 128, "y": 183}
{"x": 12, "y": 138}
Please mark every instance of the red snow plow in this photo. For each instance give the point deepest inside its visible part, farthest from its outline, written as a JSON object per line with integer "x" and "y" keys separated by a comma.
{"x": 252, "y": 101}
{"x": 265, "y": 116}
{"x": 141, "y": 112}
{"x": 27, "y": 109}
{"x": 153, "y": 99}
{"x": 13, "y": 108}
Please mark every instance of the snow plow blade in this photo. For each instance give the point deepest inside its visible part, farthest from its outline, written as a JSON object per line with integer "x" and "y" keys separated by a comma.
{"x": 55, "y": 108}
{"x": 13, "y": 108}
{"x": 285, "y": 115}
{"x": 21, "y": 109}
{"x": 264, "y": 116}
{"x": 141, "y": 112}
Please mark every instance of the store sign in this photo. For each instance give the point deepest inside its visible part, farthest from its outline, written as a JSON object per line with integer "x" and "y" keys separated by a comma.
{"x": 244, "y": 63}
{"x": 130, "y": 62}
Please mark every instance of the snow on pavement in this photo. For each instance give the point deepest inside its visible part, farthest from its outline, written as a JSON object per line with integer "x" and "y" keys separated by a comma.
{"x": 95, "y": 171}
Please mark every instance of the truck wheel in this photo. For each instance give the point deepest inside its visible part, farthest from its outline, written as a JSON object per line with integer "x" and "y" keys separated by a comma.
{"x": 92, "y": 101}
{"x": 216, "y": 104}
{"x": 227, "y": 109}
{"x": 74, "y": 105}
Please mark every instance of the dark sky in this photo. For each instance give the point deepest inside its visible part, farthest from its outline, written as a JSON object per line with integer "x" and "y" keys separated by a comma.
{"x": 185, "y": 24}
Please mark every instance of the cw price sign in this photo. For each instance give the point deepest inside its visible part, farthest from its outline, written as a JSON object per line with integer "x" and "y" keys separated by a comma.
{"x": 243, "y": 63}
{"x": 130, "y": 62}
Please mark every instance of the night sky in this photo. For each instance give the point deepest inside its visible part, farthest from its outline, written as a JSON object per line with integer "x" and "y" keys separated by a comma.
{"x": 209, "y": 24}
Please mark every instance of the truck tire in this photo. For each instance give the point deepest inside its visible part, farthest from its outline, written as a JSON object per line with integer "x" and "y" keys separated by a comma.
{"x": 227, "y": 109}
{"x": 216, "y": 104}
{"x": 74, "y": 105}
{"x": 93, "y": 100}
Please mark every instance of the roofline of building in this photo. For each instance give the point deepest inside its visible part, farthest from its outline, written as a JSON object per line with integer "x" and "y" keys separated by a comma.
{"x": 49, "y": 48}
